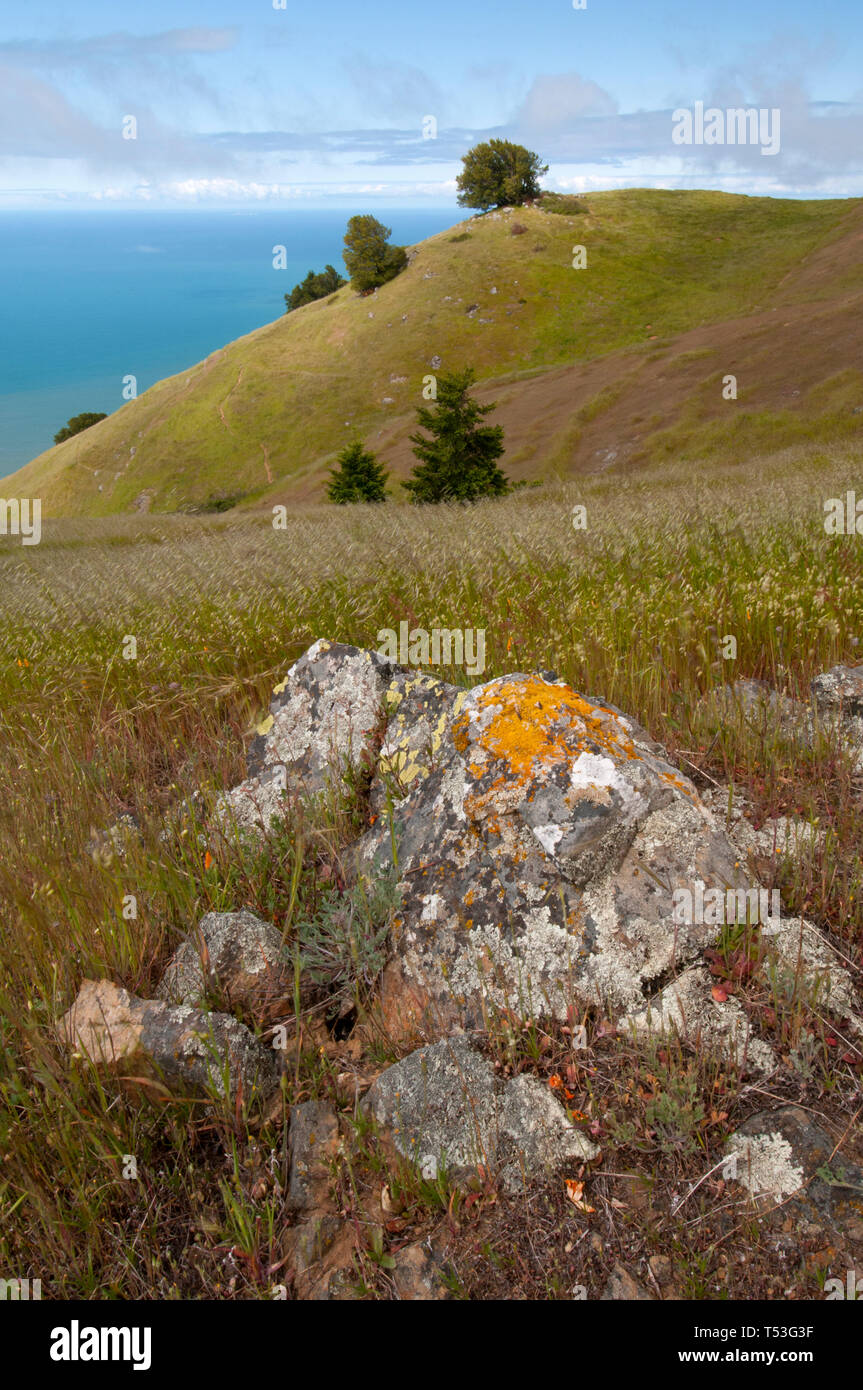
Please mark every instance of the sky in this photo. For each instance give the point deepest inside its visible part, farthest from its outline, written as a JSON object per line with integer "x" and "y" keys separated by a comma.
{"x": 202, "y": 103}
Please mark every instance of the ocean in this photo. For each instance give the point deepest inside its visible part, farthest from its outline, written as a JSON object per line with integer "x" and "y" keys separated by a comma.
{"x": 87, "y": 298}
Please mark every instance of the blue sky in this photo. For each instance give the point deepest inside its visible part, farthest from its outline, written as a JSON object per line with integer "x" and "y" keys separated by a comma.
{"x": 237, "y": 102}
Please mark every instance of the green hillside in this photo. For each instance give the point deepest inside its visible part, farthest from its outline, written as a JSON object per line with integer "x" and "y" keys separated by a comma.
{"x": 265, "y": 415}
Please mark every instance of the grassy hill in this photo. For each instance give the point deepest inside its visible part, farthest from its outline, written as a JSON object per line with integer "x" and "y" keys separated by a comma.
{"x": 609, "y": 366}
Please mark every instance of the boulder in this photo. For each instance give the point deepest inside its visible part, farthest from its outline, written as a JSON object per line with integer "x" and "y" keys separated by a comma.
{"x": 538, "y": 851}
{"x": 538, "y": 838}
{"x": 443, "y": 1107}
{"x": 235, "y": 957}
{"x": 185, "y": 1051}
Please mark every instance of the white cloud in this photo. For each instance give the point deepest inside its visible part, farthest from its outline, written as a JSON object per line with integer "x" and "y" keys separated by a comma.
{"x": 555, "y": 101}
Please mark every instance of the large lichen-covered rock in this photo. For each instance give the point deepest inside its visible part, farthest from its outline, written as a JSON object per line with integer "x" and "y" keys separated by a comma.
{"x": 443, "y": 1107}
{"x": 324, "y": 719}
{"x": 538, "y": 858}
{"x": 235, "y": 957}
{"x": 186, "y": 1051}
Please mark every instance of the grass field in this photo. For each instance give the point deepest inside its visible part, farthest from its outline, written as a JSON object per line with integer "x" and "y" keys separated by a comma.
{"x": 674, "y": 557}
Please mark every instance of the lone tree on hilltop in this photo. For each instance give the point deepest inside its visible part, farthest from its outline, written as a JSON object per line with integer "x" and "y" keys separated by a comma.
{"x": 499, "y": 174}
{"x": 77, "y": 423}
{"x": 459, "y": 462}
{"x": 358, "y": 478}
{"x": 370, "y": 259}
{"x": 314, "y": 287}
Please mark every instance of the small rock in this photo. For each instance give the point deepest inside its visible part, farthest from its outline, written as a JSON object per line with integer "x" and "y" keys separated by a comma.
{"x": 417, "y": 1275}
{"x": 186, "y": 1050}
{"x": 314, "y": 1143}
{"x": 622, "y": 1287}
{"x": 323, "y": 1250}
{"x": 235, "y": 956}
{"x": 444, "y": 1107}
{"x": 781, "y": 1154}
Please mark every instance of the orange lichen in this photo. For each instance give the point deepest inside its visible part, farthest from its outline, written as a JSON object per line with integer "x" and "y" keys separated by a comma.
{"x": 531, "y": 727}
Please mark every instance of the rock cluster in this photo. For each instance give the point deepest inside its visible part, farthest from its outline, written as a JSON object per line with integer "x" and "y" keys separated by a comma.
{"x": 540, "y": 840}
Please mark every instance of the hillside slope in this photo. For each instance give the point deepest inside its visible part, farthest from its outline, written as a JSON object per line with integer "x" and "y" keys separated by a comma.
{"x": 595, "y": 368}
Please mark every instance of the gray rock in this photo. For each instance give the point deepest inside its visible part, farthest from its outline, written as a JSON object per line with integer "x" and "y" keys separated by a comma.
{"x": 758, "y": 702}
{"x": 840, "y": 691}
{"x": 781, "y": 1154}
{"x": 324, "y": 718}
{"x": 314, "y": 1142}
{"x": 444, "y": 1107}
{"x": 538, "y": 850}
{"x": 185, "y": 1050}
{"x": 232, "y": 955}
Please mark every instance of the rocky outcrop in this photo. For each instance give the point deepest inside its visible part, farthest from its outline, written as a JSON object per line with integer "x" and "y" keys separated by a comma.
{"x": 549, "y": 860}
{"x": 540, "y": 840}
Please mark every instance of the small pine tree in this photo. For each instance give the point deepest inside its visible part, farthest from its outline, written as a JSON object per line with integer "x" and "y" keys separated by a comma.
{"x": 358, "y": 478}
{"x": 459, "y": 462}
{"x": 370, "y": 260}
